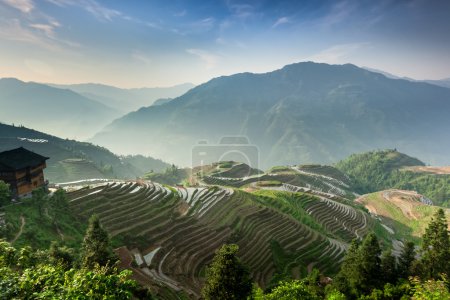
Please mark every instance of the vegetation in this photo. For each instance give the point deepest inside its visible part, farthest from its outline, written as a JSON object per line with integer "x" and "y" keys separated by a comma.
{"x": 380, "y": 170}
{"x": 96, "y": 249}
{"x": 171, "y": 176}
{"x": 226, "y": 277}
{"x": 5, "y": 195}
{"x": 29, "y": 274}
{"x": 41, "y": 219}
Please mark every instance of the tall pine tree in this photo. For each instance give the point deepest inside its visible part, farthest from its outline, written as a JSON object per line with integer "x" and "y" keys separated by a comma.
{"x": 227, "y": 278}
{"x": 96, "y": 249}
{"x": 436, "y": 248}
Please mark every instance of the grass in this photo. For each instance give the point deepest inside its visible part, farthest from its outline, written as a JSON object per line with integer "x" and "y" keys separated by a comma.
{"x": 404, "y": 227}
{"x": 40, "y": 230}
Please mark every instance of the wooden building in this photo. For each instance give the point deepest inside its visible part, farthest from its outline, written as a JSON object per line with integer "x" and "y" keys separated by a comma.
{"x": 23, "y": 170}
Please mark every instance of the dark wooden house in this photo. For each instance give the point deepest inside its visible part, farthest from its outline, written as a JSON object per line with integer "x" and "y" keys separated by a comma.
{"x": 23, "y": 170}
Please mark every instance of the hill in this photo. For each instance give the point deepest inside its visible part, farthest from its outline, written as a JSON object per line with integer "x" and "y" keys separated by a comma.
{"x": 126, "y": 100}
{"x": 60, "y": 112}
{"x": 323, "y": 112}
{"x": 71, "y": 160}
{"x": 405, "y": 213}
{"x": 172, "y": 233}
{"x": 379, "y": 170}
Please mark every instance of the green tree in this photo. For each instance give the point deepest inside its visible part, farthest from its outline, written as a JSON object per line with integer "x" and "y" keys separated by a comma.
{"x": 61, "y": 255}
{"x": 369, "y": 265}
{"x": 406, "y": 260}
{"x": 39, "y": 196}
{"x": 289, "y": 290}
{"x": 388, "y": 267}
{"x": 436, "y": 248}
{"x": 430, "y": 289}
{"x": 5, "y": 194}
{"x": 95, "y": 248}
{"x": 227, "y": 277}
{"x": 345, "y": 280}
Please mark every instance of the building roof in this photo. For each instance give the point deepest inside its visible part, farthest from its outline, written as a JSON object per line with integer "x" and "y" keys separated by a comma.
{"x": 20, "y": 158}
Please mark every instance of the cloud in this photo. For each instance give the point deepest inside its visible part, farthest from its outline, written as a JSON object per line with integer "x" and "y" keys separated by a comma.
{"x": 339, "y": 12}
{"x": 281, "y": 21}
{"x": 208, "y": 58}
{"x": 99, "y": 11}
{"x": 336, "y": 54}
{"x": 48, "y": 29}
{"x": 14, "y": 31}
{"x": 25, "y": 6}
{"x": 141, "y": 57}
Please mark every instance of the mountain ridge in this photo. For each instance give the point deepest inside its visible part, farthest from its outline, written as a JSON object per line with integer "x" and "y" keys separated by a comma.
{"x": 324, "y": 112}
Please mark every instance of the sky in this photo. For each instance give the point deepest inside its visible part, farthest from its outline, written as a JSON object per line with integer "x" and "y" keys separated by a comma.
{"x": 163, "y": 43}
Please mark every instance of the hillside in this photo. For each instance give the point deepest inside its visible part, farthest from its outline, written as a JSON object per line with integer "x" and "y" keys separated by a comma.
{"x": 380, "y": 170}
{"x": 126, "y": 100}
{"x": 405, "y": 213}
{"x": 172, "y": 233}
{"x": 302, "y": 113}
{"x": 71, "y": 160}
{"x": 57, "y": 111}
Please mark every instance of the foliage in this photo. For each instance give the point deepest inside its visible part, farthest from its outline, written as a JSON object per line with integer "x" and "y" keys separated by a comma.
{"x": 25, "y": 275}
{"x": 47, "y": 217}
{"x": 5, "y": 194}
{"x": 430, "y": 289}
{"x": 96, "y": 248}
{"x": 361, "y": 269}
{"x": 436, "y": 248}
{"x": 227, "y": 277}
{"x": 406, "y": 260}
{"x": 171, "y": 176}
{"x": 380, "y": 170}
{"x": 288, "y": 290}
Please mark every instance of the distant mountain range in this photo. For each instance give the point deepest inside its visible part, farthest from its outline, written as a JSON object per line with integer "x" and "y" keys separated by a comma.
{"x": 71, "y": 160}
{"x": 60, "y": 112}
{"x": 305, "y": 112}
{"x": 442, "y": 82}
{"x": 126, "y": 100}
{"x": 73, "y": 111}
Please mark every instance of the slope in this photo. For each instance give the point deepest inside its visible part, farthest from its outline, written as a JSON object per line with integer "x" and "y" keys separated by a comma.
{"x": 57, "y": 111}
{"x": 405, "y": 213}
{"x": 302, "y": 113}
{"x": 379, "y": 170}
{"x": 71, "y": 160}
{"x": 172, "y": 233}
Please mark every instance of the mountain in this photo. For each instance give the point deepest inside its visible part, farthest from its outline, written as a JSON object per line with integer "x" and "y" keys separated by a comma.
{"x": 58, "y": 111}
{"x": 126, "y": 100}
{"x": 304, "y": 112}
{"x": 71, "y": 160}
{"x": 442, "y": 82}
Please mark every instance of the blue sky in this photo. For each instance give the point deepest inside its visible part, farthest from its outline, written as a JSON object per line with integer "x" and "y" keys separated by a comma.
{"x": 161, "y": 43}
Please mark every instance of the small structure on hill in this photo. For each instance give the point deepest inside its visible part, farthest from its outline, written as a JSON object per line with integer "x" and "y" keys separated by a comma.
{"x": 23, "y": 170}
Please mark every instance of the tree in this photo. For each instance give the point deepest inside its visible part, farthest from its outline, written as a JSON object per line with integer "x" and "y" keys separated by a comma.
{"x": 388, "y": 267}
{"x": 436, "y": 248}
{"x": 361, "y": 269}
{"x": 95, "y": 249}
{"x": 369, "y": 268}
{"x": 345, "y": 280}
{"x": 227, "y": 277}
{"x": 39, "y": 196}
{"x": 288, "y": 290}
{"x": 406, "y": 260}
{"x": 5, "y": 194}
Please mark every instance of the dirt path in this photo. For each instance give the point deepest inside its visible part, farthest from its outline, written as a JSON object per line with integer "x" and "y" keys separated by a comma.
{"x": 22, "y": 220}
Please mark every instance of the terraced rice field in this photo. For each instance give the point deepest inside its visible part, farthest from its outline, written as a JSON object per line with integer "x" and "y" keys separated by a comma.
{"x": 172, "y": 233}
